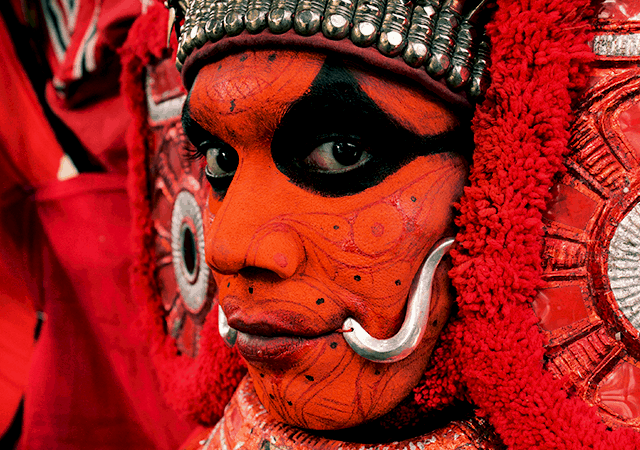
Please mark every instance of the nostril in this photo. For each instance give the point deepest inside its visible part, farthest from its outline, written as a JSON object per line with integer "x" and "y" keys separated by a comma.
{"x": 274, "y": 247}
{"x": 257, "y": 273}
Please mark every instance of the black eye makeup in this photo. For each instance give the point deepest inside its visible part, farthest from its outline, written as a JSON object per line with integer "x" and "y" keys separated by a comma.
{"x": 221, "y": 159}
{"x": 335, "y": 141}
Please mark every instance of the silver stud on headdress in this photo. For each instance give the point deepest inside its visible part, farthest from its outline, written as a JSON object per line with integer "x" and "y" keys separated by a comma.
{"x": 425, "y": 33}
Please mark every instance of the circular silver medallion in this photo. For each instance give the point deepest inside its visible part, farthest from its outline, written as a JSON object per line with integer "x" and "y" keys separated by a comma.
{"x": 187, "y": 250}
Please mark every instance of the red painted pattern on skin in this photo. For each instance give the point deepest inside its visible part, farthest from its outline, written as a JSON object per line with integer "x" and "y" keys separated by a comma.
{"x": 349, "y": 256}
{"x": 418, "y": 113}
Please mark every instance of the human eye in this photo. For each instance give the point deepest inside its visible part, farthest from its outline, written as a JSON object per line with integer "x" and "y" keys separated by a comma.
{"x": 222, "y": 161}
{"x": 336, "y": 155}
{"x": 221, "y": 164}
{"x": 330, "y": 164}
{"x": 219, "y": 158}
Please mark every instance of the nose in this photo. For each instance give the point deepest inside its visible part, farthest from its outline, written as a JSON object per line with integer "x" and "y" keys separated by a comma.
{"x": 250, "y": 231}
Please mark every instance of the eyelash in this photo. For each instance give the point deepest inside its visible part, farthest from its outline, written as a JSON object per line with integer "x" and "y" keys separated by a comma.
{"x": 191, "y": 153}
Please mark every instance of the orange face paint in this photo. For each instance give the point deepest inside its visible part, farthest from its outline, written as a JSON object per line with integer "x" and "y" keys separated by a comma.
{"x": 421, "y": 114}
{"x": 292, "y": 263}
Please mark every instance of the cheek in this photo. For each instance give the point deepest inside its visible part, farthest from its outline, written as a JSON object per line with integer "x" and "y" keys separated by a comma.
{"x": 214, "y": 202}
{"x": 376, "y": 250}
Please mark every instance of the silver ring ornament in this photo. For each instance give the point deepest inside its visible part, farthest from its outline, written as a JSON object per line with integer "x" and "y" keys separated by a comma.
{"x": 228, "y": 334}
{"x": 406, "y": 340}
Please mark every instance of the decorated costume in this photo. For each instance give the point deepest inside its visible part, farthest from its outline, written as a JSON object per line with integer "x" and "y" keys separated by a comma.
{"x": 541, "y": 346}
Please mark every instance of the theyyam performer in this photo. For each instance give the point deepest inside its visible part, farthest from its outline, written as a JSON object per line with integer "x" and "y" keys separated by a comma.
{"x": 389, "y": 224}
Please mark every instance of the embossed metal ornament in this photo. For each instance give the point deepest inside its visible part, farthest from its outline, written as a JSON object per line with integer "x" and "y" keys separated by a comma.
{"x": 394, "y": 28}
{"x": 423, "y": 24}
{"x": 337, "y": 18}
{"x": 427, "y": 34}
{"x": 214, "y": 26}
{"x": 256, "y": 17}
{"x": 280, "y": 17}
{"x": 308, "y": 17}
{"x": 624, "y": 266}
{"x": 234, "y": 19}
{"x": 463, "y": 54}
{"x": 366, "y": 22}
{"x": 479, "y": 81}
{"x": 589, "y": 306}
{"x": 185, "y": 285}
{"x": 445, "y": 38}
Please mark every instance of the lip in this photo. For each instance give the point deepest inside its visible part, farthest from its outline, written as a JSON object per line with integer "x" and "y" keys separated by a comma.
{"x": 275, "y": 350}
{"x": 280, "y": 323}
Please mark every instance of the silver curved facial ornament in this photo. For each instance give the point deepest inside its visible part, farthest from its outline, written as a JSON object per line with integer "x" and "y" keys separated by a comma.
{"x": 415, "y": 322}
{"x": 228, "y": 334}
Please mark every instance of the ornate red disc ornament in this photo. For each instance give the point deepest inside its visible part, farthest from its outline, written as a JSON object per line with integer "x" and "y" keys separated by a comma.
{"x": 590, "y": 308}
{"x": 179, "y": 200}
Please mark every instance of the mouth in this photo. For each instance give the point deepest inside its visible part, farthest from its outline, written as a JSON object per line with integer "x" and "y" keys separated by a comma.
{"x": 276, "y": 343}
{"x": 276, "y": 349}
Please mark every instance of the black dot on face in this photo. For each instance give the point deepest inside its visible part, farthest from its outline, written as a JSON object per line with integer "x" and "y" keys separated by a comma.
{"x": 250, "y": 290}
{"x": 435, "y": 323}
{"x": 335, "y": 227}
{"x": 398, "y": 282}
{"x": 320, "y": 301}
{"x": 272, "y": 396}
{"x": 333, "y": 345}
{"x": 243, "y": 58}
{"x": 309, "y": 377}
{"x": 357, "y": 278}
{"x": 232, "y": 106}
{"x": 261, "y": 375}
{"x": 377, "y": 372}
{"x": 272, "y": 57}
{"x": 413, "y": 199}
{"x": 229, "y": 284}
{"x": 289, "y": 403}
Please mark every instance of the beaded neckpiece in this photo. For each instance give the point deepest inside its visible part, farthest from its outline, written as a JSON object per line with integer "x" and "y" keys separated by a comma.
{"x": 443, "y": 39}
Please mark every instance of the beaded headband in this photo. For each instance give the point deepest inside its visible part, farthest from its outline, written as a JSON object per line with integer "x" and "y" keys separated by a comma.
{"x": 438, "y": 38}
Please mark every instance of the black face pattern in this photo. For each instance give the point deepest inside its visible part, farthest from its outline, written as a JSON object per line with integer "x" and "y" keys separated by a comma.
{"x": 333, "y": 141}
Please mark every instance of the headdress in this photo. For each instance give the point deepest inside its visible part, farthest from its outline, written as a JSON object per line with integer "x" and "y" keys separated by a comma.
{"x": 441, "y": 41}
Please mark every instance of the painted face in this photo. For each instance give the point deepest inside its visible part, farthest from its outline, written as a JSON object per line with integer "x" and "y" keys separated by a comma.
{"x": 329, "y": 187}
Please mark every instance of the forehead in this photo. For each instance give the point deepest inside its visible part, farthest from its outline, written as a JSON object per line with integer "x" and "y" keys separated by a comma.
{"x": 264, "y": 83}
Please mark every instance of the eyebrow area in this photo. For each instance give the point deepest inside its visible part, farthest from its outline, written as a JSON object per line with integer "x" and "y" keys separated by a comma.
{"x": 336, "y": 107}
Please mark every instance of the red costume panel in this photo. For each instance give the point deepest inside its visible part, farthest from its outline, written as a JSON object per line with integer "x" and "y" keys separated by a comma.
{"x": 66, "y": 249}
